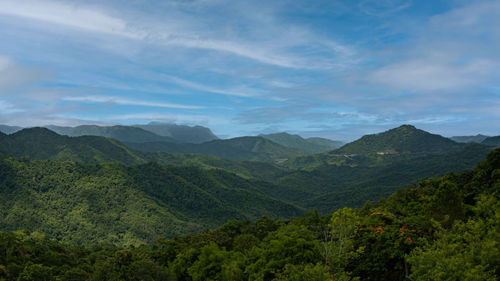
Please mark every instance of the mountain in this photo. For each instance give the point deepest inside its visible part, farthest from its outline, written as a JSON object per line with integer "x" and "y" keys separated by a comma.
{"x": 236, "y": 149}
{"x": 180, "y": 133}
{"x": 464, "y": 139}
{"x": 335, "y": 181}
{"x": 403, "y": 139}
{"x": 494, "y": 141}
{"x": 9, "y": 129}
{"x": 120, "y": 133}
{"x": 443, "y": 229}
{"x": 310, "y": 145}
{"x": 113, "y": 203}
{"x": 42, "y": 143}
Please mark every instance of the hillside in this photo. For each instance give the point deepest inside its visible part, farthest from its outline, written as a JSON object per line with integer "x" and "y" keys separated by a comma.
{"x": 403, "y": 139}
{"x": 125, "y": 205}
{"x": 310, "y": 145}
{"x": 120, "y": 133}
{"x": 465, "y": 139}
{"x": 42, "y": 143}
{"x": 442, "y": 229}
{"x": 180, "y": 133}
{"x": 236, "y": 149}
{"x": 493, "y": 141}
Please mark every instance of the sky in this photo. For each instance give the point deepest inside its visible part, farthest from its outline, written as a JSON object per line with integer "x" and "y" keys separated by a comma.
{"x": 328, "y": 68}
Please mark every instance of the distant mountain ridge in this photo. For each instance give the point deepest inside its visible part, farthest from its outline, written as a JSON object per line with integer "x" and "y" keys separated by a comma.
{"x": 118, "y": 132}
{"x": 494, "y": 141}
{"x": 236, "y": 149}
{"x": 464, "y": 139}
{"x": 180, "y": 133}
{"x": 310, "y": 145}
{"x": 9, "y": 129}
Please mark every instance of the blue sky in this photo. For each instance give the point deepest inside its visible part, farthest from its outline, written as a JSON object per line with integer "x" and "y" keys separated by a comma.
{"x": 337, "y": 69}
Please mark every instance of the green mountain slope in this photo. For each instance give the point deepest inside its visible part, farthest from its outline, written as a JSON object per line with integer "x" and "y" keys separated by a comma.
{"x": 42, "y": 143}
{"x": 404, "y": 139}
{"x": 237, "y": 149}
{"x": 464, "y": 139}
{"x": 180, "y": 133}
{"x": 373, "y": 167}
{"x": 310, "y": 145}
{"x": 120, "y": 133}
{"x": 125, "y": 205}
{"x": 493, "y": 141}
{"x": 442, "y": 229}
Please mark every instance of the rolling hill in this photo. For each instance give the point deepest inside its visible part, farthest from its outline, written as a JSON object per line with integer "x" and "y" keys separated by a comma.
{"x": 464, "y": 139}
{"x": 236, "y": 149}
{"x": 113, "y": 203}
{"x": 403, "y": 139}
{"x": 493, "y": 141}
{"x": 43, "y": 144}
{"x": 310, "y": 145}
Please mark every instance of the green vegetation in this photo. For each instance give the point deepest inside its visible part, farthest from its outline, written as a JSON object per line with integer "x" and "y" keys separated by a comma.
{"x": 404, "y": 139}
{"x": 124, "y": 205}
{"x": 43, "y": 144}
{"x": 236, "y": 149}
{"x": 310, "y": 145}
{"x": 180, "y": 133}
{"x": 441, "y": 229}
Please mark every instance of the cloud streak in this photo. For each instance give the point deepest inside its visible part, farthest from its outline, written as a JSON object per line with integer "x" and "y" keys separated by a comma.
{"x": 124, "y": 101}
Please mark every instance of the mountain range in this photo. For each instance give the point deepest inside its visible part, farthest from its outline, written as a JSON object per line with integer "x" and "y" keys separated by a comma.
{"x": 51, "y": 180}
{"x": 309, "y": 145}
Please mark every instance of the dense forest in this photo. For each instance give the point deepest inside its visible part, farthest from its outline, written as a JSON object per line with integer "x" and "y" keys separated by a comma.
{"x": 441, "y": 229}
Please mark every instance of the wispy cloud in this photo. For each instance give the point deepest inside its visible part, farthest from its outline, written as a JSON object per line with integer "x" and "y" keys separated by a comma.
{"x": 124, "y": 101}
{"x": 69, "y": 15}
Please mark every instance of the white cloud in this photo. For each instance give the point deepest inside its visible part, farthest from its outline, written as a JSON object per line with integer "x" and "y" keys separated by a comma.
{"x": 67, "y": 15}
{"x": 124, "y": 101}
{"x": 177, "y": 31}
{"x": 427, "y": 74}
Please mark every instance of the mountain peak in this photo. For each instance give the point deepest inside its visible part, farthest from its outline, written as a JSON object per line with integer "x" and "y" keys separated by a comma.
{"x": 403, "y": 139}
{"x": 35, "y": 131}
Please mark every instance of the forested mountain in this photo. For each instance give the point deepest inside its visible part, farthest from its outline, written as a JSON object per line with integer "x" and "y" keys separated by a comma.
{"x": 464, "y": 139}
{"x": 9, "y": 129}
{"x": 310, "y": 145}
{"x": 180, "y": 133}
{"x": 126, "y": 205}
{"x": 351, "y": 181}
{"x": 441, "y": 229}
{"x": 494, "y": 141}
{"x": 120, "y": 133}
{"x": 238, "y": 149}
{"x": 404, "y": 139}
{"x": 42, "y": 143}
